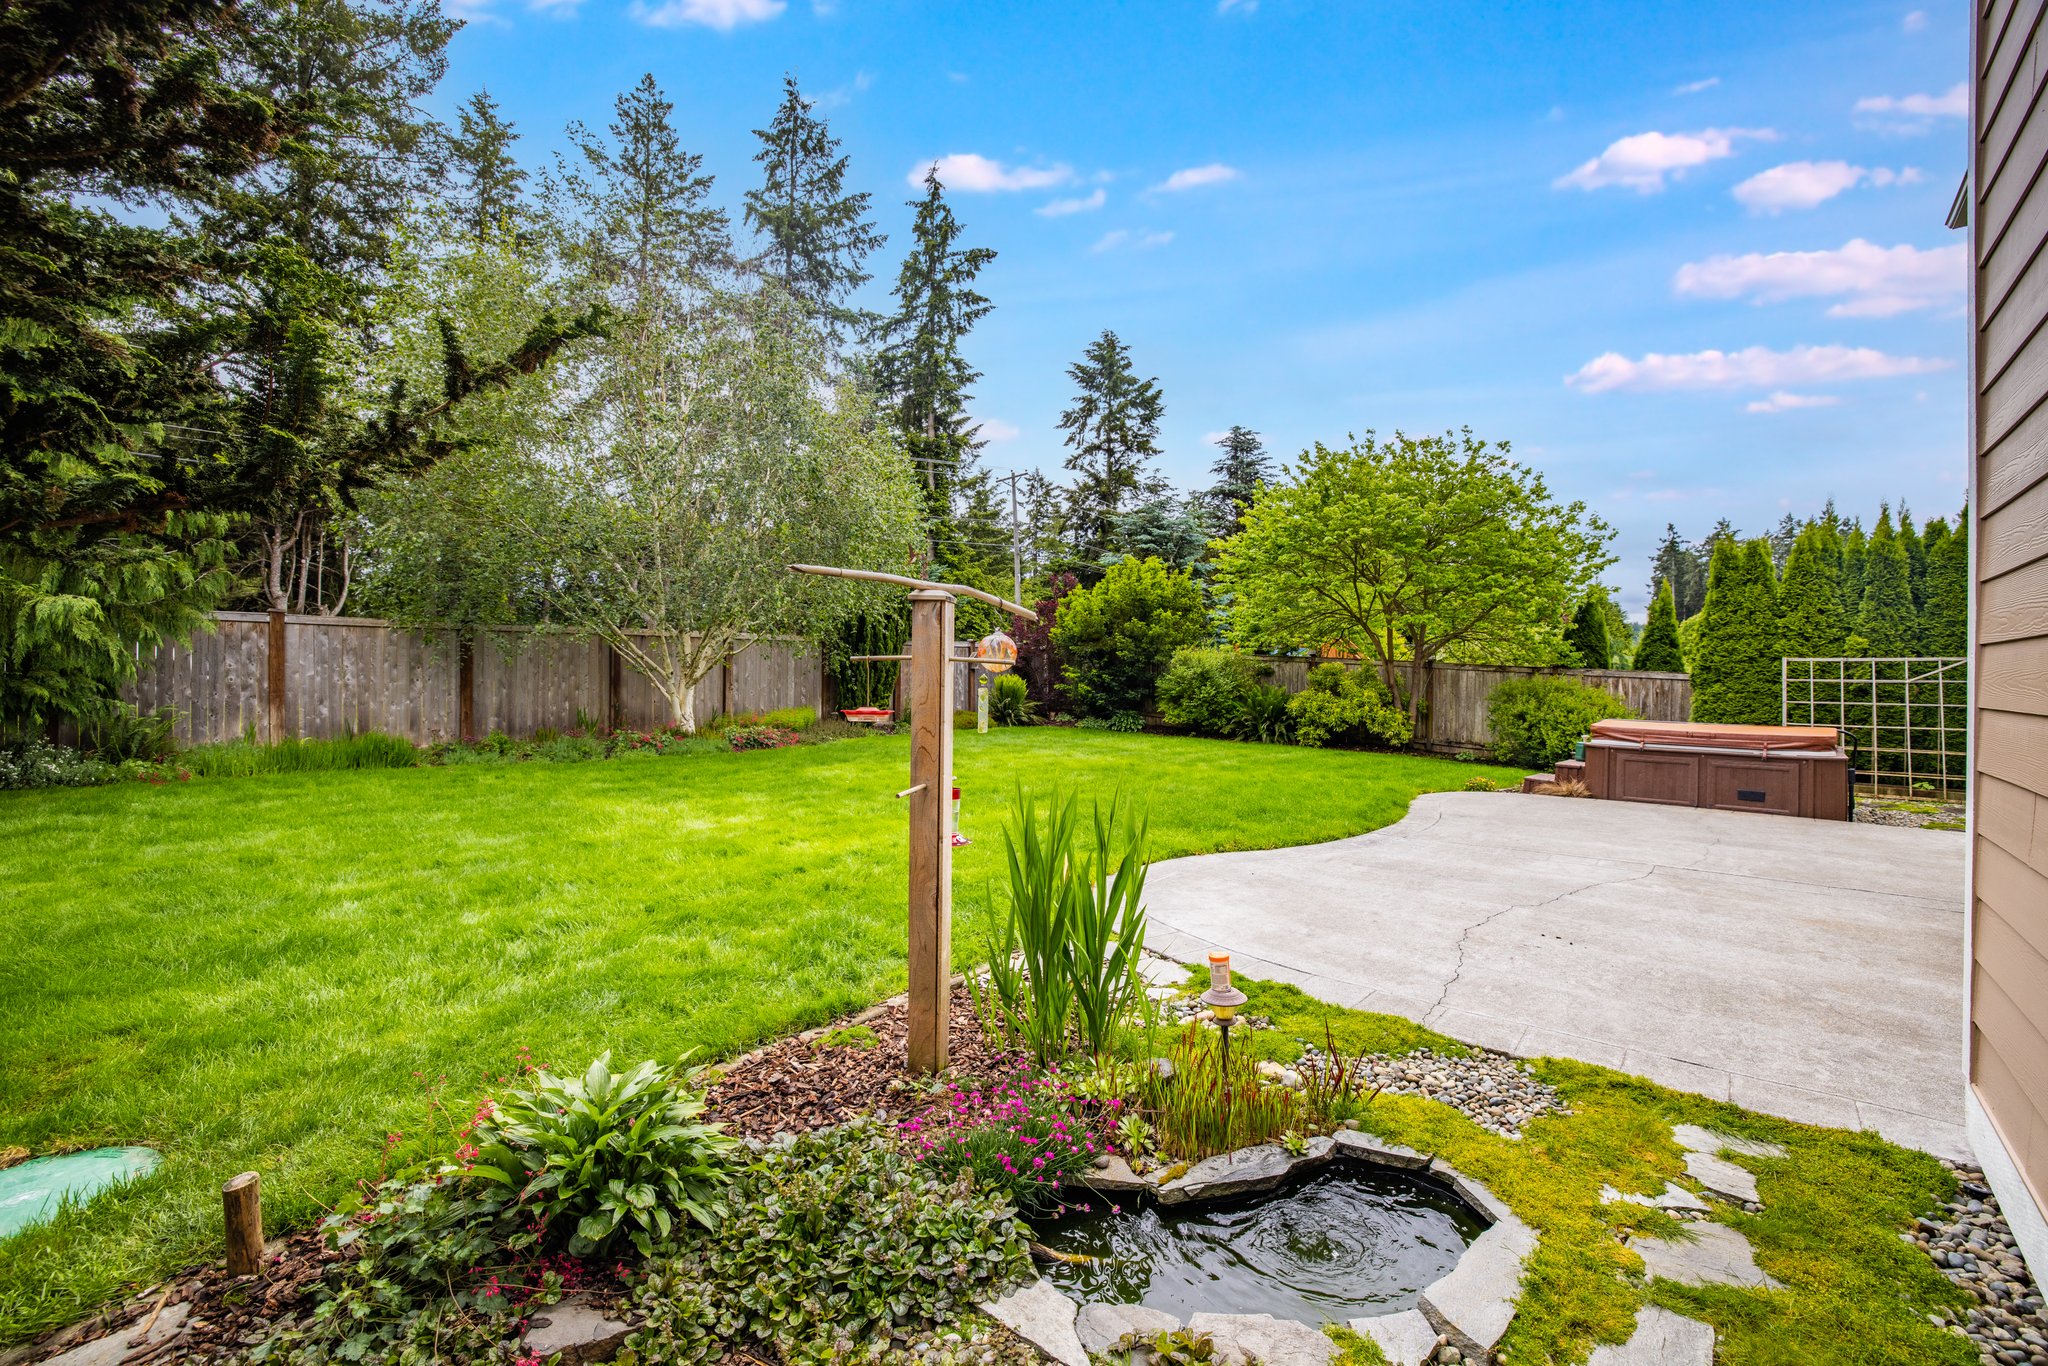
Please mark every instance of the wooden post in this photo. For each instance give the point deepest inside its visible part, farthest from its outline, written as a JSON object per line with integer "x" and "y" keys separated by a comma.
{"x": 725, "y": 686}
{"x": 273, "y": 679}
{"x": 465, "y": 692}
{"x": 242, "y": 1209}
{"x": 931, "y": 828}
{"x": 614, "y": 683}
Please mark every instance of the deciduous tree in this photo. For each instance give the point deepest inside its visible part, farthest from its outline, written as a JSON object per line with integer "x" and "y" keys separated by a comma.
{"x": 1118, "y": 636}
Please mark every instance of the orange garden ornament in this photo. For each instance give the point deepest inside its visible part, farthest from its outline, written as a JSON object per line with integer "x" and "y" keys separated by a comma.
{"x": 995, "y": 652}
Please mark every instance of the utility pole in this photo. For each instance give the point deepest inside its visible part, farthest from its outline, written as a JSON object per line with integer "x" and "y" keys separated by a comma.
{"x": 1016, "y": 543}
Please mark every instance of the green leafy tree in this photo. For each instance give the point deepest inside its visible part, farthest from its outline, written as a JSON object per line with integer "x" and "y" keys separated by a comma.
{"x": 1118, "y": 636}
{"x": 1409, "y": 551}
{"x": 1587, "y": 637}
{"x": 1945, "y": 624}
{"x": 1339, "y": 703}
{"x": 1112, "y": 432}
{"x": 817, "y": 235}
{"x": 487, "y": 184}
{"x": 1887, "y": 626}
{"x": 1813, "y": 614}
{"x": 920, "y": 371}
{"x": 1536, "y": 721}
{"x": 1658, "y": 650}
{"x": 1736, "y": 673}
{"x": 1243, "y": 466}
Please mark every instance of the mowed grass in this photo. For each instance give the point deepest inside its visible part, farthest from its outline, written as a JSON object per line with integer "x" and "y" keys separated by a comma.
{"x": 276, "y": 973}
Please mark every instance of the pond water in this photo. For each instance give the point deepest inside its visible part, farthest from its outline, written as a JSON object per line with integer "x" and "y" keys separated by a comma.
{"x": 35, "y": 1190}
{"x": 1344, "y": 1244}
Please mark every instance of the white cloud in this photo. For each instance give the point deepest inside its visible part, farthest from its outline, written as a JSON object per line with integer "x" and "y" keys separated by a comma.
{"x": 1695, "y": 87}
{"x": 562, "y": 9}
{"x": 1953, "y": 104}
{"x": 1059, "y": 208}
{"x": 1804, "y": 184}
{"x": 995, "y": 429}
{"x": 1154, "y": 239}
{"x": 1124, "y": 237}
{"x": 1194, "y": 177}
{"x": 724, "y": 15}
{"x": 1754, "y": 367}
{"x": 1241, "y": 6}
{"x": 957, "y": 77}
{"x": 1641, "y": 162}
{"x": 842, "y": 95}
{"x": 1783, "y": 402}
{"x": 1111, "y": 240}
{"x": 1870, "y": 281}
{"x": 976, "y": 174}
{"x": 1914, "y": 21}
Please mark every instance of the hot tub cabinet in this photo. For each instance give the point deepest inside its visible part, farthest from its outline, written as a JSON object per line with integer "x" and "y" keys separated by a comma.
{"x": 1780, "y": 770}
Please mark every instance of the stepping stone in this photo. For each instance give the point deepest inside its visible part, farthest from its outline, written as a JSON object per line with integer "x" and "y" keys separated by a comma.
{"x": 1717, "y": 1255}
{"x": 581, "y": 1334}
{"x": 1674, "y": 1197}
{"x": 1404, "y": 1339}
{"x": 1043, "y": 1317}
{"x": 1662, "y": 1338}
{"x": 1240, "y": 1173}
{"x": 1363, "y": 1146}
{"x": 1722, "y": 1177}
{"x": 1113, "y": 1176}
{"x": 1695, "y": 1139}
{"x": 1101, "y": 1326}
{"x": 1474, "y": 1302}
{"x": 1244, "y": 1339}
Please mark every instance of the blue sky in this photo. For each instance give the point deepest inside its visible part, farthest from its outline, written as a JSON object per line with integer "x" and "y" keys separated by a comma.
{"x": 1688, "y": 259}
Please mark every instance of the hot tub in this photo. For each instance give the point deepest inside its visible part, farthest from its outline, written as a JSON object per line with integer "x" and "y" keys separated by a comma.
{"x": 1779, "y": 770}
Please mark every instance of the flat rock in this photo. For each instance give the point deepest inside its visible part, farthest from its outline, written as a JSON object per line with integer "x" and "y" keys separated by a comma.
{"x": 1695, "y": 1139}
{"x": 1239, "y": 1173}
{"x": 1474, "y": 1302}
{"x": 1674, "y": 1197}
{"x": 1404, "y": 1339}
{"x": 1365, "y": 1148}
{"x": 1102, "y": 1326}
{"x": 1722, "y": 1177}
{"x": 1662, "y": 1338}
{"x": 1242, "y": 1339}
{"x": 1715, "y": 1255}
{"x": 109, "y": 1350}
{"x": 1470, "y": 1191}
{"x": 581, "y": 1334}
{"x": 1043, "y": 1317}
{"x": 1114, "y": 1177}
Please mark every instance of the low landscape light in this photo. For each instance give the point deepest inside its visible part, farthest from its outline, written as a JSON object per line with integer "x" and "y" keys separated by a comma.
{"x": 1222, "y": 998}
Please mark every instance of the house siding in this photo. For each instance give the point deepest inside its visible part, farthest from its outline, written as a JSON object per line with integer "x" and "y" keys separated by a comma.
{"x": 2008, "y": 969}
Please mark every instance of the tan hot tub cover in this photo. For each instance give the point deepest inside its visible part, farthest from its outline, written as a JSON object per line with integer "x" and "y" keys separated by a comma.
{"x": 1789, "y": 739}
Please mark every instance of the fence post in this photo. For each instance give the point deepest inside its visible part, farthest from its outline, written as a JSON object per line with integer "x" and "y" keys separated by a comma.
{"x": 725, "y": 688}
{"x": 274, "y": 678}
{"x": 613, "y": 684}
{"x": 465, "y": 691}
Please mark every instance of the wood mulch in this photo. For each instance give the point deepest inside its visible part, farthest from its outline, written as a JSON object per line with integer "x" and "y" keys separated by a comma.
{"x": 808, "y": 1081}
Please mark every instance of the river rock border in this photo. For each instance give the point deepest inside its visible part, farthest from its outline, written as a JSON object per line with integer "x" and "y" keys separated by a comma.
{"x": 1460, "y": 1317}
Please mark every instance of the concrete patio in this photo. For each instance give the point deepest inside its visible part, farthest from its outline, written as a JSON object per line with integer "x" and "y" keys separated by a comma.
{"x": 1808, "y": 969}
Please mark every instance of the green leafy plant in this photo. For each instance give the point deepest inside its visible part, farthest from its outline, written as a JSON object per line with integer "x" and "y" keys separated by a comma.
{"x": 791, "y": 718}
{"x": 38, "y": 763}
{"x": 1536, "y": 721}
{"x": 1482, "y": 785}
{"x": 1266, "y": 717}
{"x": 1207, "y": 689}
{"x": 1118, "y": 635}
{"x": 248, "y": 757}
{"x": 604, "y": 1158}
{"x": 1025, "y": 1137}
{"x": 849, "y": 1036}
{"x": 1123, "y": 723}
{"x": 118, "y": 733}
{"x": 833, "y": 1242}
{"x": 1181, "y": 1347}
{"x": 1340, "y": 702}
{"x": 1009, "y": 701}
{"x": 1134, "y": 1136}
{"x": 1208, "y": 1106}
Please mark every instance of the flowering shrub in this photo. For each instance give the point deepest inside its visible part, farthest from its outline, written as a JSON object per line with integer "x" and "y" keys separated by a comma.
{"x": 761, "y": 737}
{"x": 38, "y": 763}
{"x": 1025, "y": 1138}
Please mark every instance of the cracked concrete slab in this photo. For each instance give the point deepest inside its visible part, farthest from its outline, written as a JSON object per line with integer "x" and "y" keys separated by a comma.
{"x": 1810, "y": 969}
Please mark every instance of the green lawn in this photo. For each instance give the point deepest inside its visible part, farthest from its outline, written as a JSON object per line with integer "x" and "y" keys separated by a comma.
{"x": 274, "y": 973}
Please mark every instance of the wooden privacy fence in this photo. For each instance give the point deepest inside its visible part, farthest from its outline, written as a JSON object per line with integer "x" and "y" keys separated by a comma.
{"x": 320, "y": 677}
{"x": 1454, "y": 695}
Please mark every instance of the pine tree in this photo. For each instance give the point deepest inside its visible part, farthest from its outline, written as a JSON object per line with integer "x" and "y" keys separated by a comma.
{"x": 486, "y": 181}
{"x": 1682, "y": 566}
{"x": 1587, "y": 637}
{"x": 1782, "y": 540}
{"x": 1735, "y": 679}
{"x": 1886, "y": 624}
{"x": 1813, "y": 614}
{"x": 1243, "y": 467}
{"x": 817, "y": 234}
{"x": 1945, "y": 624}
{"x": 920, "y": 369}
{"x": 1112, "y": 432}
{"x": 1658, "y": 649}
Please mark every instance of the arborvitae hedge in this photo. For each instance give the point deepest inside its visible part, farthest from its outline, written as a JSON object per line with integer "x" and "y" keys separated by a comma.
{"x": 1735, "y": 678}
{"x": 1945, "y": 625}
{"x": 1813, "y": 615}
{"x": 1588, "y": 636}
{"x": 1658, "y": 649}
{"x": 1886, "y": 624}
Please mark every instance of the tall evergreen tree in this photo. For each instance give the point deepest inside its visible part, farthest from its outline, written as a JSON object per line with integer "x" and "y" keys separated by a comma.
{"x": 486, "y": 181}
{"x": 1682, "y": 566}
{"x": 1243, "y": 466}
{"x": 1658, "y": 649}
{"x": 1813, "y": 614}
{"x": 920, "y": 369}
{"x": 1736, "y": 676}
{"x": 1112, "y": 433}
{"x": 817, "y": 234}
{"x": 1782, "y": 539}
{"x": 1916, "y": 555}
{"x": 1855, "y": 552}
{"x": 1945, "y": 623}
{"x": 1587, "y": 636}
{"x": 1886, "y": 625}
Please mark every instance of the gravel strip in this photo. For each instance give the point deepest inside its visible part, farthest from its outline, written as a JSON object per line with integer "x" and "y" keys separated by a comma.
{"x": 1973, "y": 1246}
{"x": 1493, "y": 1090}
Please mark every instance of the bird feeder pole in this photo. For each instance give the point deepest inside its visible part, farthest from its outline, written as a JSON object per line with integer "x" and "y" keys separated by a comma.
{"x": 930, "y": 687}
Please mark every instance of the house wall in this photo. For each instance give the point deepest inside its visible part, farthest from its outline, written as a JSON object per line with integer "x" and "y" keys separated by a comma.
{"x": 2007, "y": 200}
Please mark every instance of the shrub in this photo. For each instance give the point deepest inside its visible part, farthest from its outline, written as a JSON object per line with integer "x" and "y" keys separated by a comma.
{"x": 1123, "y": 723}
{"x": 833, "y": 1243}
{"x": 247, "y": 757}
{"x": 1482, "y": 785}
{"x": 120, "y": 734}
{"x": 1025, "y": 1138}
{"x": 1536, "y": 721}
{"x": 1658, "y": 650}
{"x": 1339, "y": 703}
{"x": 1118, "y": 636}
{"x": 761, "y": 737}
{"x": 1208, "y": 689}
{"x": 38, "y": 763}
{"x": 1009, "y": 701}
{"x": 1266, "y": 716}
{"x": 606, "y": 1158}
